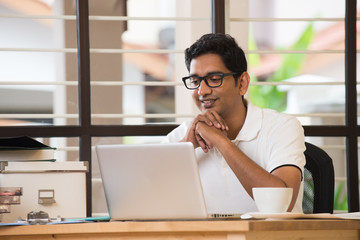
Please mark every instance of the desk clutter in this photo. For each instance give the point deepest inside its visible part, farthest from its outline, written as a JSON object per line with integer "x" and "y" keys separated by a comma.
{"x": 31, "y": 179}
{"x": 9, "y": 196}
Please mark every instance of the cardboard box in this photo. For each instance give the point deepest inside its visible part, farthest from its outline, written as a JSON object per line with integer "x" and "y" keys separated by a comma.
{"x": 57, "y": 188}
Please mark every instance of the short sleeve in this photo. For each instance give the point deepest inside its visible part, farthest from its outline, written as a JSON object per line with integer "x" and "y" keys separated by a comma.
{"x": 288, "y": 144}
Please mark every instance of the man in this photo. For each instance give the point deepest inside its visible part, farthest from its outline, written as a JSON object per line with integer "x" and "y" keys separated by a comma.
{"x": 238, "y": 146}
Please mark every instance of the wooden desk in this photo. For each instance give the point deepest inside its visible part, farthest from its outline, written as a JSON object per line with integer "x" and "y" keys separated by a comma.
{"x": 214, "y": 229}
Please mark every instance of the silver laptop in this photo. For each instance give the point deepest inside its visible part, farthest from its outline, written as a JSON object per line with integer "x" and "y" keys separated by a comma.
{"x": 152, "y": 182}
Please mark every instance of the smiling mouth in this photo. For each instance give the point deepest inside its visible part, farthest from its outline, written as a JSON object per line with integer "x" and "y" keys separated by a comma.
{"x": 207, "y": 103}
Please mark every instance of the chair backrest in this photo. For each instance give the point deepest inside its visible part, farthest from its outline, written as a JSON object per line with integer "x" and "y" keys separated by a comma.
{"x": 319, "y": 181}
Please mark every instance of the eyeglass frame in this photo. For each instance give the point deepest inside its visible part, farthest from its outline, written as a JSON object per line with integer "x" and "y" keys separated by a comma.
{"x": 206, "y": 82}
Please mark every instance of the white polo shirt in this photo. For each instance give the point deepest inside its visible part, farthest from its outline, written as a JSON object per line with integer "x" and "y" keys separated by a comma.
{"x": 269, "y": 138}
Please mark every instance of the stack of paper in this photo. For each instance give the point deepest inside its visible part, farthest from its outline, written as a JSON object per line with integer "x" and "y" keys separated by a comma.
{"x": 25, "y": 149}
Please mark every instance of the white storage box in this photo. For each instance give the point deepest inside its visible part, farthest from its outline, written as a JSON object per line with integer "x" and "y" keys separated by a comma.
{"x": 57, "y": 188}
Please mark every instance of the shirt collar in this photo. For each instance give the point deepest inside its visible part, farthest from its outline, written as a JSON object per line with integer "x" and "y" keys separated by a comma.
{"x": 252, "y": 124}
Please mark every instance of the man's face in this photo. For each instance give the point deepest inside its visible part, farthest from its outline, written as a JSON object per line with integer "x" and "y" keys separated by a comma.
{"x": 224, "y": 99}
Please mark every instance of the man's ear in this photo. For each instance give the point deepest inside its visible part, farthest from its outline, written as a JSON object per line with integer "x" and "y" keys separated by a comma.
{"x": 244, "y": 81}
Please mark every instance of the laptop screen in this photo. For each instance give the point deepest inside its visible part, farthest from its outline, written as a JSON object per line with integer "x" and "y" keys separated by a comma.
{"x": 151, "y": 181}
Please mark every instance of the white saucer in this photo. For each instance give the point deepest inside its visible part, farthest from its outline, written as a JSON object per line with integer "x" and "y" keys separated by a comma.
{"x": 260, "y": 215}
{"x": 287, "y": 215}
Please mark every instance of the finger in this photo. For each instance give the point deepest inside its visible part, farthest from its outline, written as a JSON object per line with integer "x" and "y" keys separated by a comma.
{"x": 190, "y": 135}
{"x": 212, "y": 118}
{"x": 222, "y": 122}
{"x": 201, "y": 143}
{"x": 205, "y": 144}
{"x": 217, "y": 120}
{"x": 209, "y": 146}
{"x": 203, "y": 118}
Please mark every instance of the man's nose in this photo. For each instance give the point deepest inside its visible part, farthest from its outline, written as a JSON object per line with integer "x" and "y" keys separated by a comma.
{"x": 203, "y": 89}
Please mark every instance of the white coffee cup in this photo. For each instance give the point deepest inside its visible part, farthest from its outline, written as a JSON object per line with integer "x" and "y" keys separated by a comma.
{"x": 272, "y": 199}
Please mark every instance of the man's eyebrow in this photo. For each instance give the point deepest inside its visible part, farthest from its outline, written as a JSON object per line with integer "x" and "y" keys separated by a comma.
{"x": 215, "y": 72}
{"x": 209, "y": 73}
{"x": 193, "y": 75}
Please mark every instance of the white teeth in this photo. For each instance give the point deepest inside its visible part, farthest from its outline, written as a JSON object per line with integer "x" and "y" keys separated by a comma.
{"x": 206, "y": 101}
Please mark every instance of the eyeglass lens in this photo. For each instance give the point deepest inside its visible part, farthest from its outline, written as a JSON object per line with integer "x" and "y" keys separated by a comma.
{"x": 212, "y": 80}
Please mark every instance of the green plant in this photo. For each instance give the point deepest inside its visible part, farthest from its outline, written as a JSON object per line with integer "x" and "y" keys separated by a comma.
{"x": 340, "y": 199}
{"x": 308, "y": 197}
{"x": 270, "y": 96}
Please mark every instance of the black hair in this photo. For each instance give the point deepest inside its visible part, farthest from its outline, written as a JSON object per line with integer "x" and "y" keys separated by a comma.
{"x": 224, "y": 45}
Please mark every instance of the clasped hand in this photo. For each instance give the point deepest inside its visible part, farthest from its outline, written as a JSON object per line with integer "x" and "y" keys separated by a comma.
{"x": 206, "y": 129}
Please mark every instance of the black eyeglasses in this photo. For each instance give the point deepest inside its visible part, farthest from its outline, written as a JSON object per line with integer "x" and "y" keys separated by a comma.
{"x": 212, "y": 80}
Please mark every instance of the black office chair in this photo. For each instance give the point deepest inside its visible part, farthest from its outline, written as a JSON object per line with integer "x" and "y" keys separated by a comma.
{"x": 319, "y": 181}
